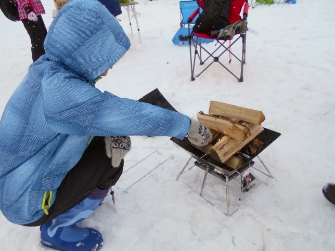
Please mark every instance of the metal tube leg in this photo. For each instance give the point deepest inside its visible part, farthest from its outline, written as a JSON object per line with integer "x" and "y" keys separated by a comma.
{"x": 138, "y": 28}
{"x": 184, "y": 168}
{"x": 204, "y": 181}
{"x": 240, "y": 193}
{"x": 171, "y": 157}
{"x": 270, "y": 175}
{"x": 227, "y": 196}
{"x": 190, "y": 47}
{"x": 141, "y": 161}
{"x": 245, "y": 47}
{"x": 131, "y": 28}
{"x": 243, "y": 57}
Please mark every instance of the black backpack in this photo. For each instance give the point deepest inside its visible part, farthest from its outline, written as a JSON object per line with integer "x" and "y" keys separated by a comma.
{"x": 214, "y": 16}
{"x": 9, "y": 9}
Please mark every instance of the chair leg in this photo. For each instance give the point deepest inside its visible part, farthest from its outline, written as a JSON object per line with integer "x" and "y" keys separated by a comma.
{"x": 196, "y": 54}
{"x": 200, "y": 55}
{"x": 244, "y": 47}
{"x": 243, "y": 36}
{"x": 190, "y": 46}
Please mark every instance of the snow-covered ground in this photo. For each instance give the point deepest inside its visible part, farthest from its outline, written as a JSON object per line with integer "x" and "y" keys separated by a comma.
{"x": 289, "y": 76}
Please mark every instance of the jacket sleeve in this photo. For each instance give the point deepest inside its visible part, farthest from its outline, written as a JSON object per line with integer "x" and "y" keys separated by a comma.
{"x": 73, "y": 106}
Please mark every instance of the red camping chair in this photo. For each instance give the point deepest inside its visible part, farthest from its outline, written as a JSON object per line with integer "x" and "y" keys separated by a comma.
{"x": 194, "y": 39}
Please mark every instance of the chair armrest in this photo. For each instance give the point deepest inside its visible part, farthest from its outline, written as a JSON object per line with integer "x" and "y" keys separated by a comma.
{"x": 245, "y": 10}
{"x": 193, "y": 15}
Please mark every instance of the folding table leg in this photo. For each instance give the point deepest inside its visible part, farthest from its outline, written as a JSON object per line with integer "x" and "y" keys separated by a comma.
{"x": 135, "y": 15}
{"x": 131, "y": 28}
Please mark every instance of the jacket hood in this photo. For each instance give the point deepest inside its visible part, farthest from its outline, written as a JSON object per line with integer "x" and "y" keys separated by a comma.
{"x": 85, "y": 37}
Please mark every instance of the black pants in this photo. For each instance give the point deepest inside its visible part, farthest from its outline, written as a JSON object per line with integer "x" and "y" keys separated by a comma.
{"x": 37, "y": 33}
{"x": 94, "y": 170}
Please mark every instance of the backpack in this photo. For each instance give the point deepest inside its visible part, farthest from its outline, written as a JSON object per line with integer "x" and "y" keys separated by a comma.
{"x": 214, "y": 16}
{"x": 9, "y": 9}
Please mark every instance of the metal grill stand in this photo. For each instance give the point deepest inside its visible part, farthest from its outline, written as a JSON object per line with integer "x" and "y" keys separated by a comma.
{"x": 219, "y": 170}
{"x": 243, "y": 175}
{"x": 244, "y": 183}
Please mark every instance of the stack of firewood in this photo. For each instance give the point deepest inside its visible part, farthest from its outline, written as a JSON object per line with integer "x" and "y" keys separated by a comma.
{"x": 233, "y": 128}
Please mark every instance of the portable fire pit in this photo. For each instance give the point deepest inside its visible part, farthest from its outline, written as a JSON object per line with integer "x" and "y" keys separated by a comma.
{"x": 220, "y": 170}
{"x": 223, "y": 171}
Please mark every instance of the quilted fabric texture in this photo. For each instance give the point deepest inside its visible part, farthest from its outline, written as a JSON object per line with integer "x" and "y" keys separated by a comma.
{"x": 50, "y": 118}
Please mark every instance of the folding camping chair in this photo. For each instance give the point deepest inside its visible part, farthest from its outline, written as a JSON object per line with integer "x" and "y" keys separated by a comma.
{"x": 194, "y": 40}
{"x": 186, "y": 9}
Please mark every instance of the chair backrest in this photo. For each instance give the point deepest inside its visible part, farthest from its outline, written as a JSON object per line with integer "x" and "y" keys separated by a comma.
{"x": 201, "y": 3}
{"x": 186, "y": 9}
{"x": 234, "y": 11}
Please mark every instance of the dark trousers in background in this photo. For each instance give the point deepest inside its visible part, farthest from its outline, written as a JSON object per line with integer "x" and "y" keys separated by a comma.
{"x": 37, "y": 33}
{"x": 113, "y": 6}
{"x": 94, "y": 170}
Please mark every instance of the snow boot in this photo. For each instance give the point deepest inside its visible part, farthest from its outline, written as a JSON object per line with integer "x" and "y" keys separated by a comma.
{"x": 329, "y": 192}
{"x": 63, "y": 234}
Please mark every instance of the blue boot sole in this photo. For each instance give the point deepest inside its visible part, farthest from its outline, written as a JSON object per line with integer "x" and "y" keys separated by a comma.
{"x": 55, "y": 247}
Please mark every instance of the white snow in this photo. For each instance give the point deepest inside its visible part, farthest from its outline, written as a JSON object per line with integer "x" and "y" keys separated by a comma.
{"x": 289, "y": 76}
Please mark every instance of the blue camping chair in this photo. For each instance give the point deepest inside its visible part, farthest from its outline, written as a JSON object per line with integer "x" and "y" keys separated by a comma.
{"x": 238, "y": 12}
{"x": 186, "y": 9}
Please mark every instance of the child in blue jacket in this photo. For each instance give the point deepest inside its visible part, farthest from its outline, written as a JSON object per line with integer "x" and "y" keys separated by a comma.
{"x": 62, "y": 141}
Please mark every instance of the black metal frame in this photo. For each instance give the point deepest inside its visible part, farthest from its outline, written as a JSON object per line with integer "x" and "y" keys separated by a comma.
{"x": 224, "y": 172}
{"x": 267, "y": 137}
{"x": 203, "y": 161}
{"x": 194, "y": 41}
{"x": 197, "y": 54}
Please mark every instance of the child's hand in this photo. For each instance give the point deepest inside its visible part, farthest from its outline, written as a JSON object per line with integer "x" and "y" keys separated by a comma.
{"x": 199, "y": 134}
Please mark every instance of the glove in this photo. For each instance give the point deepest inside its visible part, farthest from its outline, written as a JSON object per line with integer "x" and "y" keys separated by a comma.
{"x": 31, "y": 14}
{"x": 116, "y": 148}
{"x": 198, "y": 134}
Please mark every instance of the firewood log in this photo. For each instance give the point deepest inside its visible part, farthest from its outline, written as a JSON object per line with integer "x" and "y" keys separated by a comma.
{"x": 227, "y": 146}
{"x": 232, "y": 111}
{"x": 234, "y": 130}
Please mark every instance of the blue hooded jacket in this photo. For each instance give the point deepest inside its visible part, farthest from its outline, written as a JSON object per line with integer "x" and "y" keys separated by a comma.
{"x": 47, "y": 123}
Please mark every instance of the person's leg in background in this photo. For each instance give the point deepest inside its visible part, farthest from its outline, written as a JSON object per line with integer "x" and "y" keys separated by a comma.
{"x": 37, "y": 33}
{"x": 113, "y": 6}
